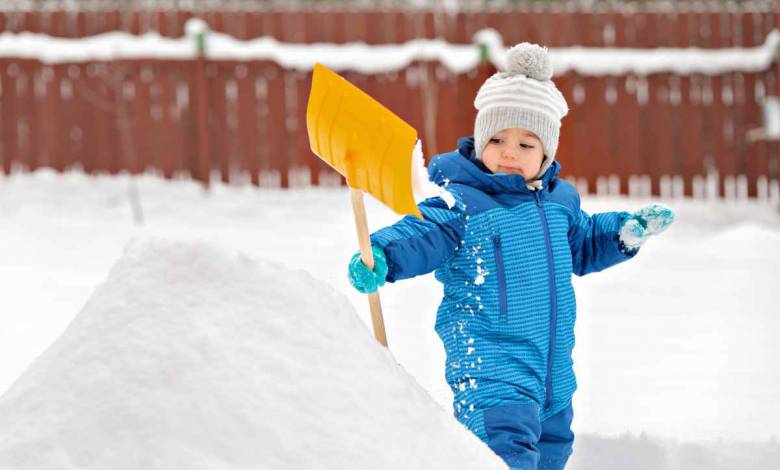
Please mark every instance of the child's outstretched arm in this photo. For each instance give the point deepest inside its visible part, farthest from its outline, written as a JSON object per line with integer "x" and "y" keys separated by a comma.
{"x": 605, "y": 239}
{"x": 410, "y": 247}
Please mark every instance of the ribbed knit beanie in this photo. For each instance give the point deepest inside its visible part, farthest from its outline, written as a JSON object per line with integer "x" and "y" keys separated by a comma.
{"x": 522, "y": 96}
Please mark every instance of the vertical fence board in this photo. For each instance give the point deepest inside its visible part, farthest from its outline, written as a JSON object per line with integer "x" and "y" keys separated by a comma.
{"x": 691, "y": 113}
{"x": 275, "y": 123}
{"x": 573, "y": 131}
{"x": 447, "y": 129}
{"x": 566, "y": 142}
{"x": 305, "y": 155}
{"x": 725, "y": 124}
{"x": 753, "y": 119}
{"x": 217, "y": 121}
{"x": 168, "y": 150}
{"x": 8, "y": 108}
{"x": 595, "y": 113}
{"x": 247, "y": 121}
{"x": 627, "y": 122}
{"x": 26, "y": 117}
{"x": 141, "y": 117}
{"x": 65, "y": 147}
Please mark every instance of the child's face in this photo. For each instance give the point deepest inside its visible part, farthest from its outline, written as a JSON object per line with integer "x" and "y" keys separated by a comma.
{"x": 514, "y": 151}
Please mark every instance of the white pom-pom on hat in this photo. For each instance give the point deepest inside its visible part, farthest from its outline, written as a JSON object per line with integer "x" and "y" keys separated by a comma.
{"x": 530, "y": 60}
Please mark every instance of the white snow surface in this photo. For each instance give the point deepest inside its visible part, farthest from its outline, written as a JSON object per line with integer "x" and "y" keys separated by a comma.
{"x": 192, "y": 356}
{"x": 387, "y": 58}
{"x": 677, "y": 353}
{"x": 422, "y": 187}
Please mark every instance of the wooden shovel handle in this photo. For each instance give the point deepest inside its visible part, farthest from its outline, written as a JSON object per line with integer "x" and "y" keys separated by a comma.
{"x": 367, "y": 256}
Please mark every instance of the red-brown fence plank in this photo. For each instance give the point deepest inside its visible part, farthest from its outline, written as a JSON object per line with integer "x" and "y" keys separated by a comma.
{"x": 26, "y": 119}
{"x": 88, "y": 97}
{"x": 247, "y": 120}
{"x": 447, "y": 128}
{"x": 718, "y": 118}
{"x": 691, "y": 119}
{"x": 275, "y": 122}
{"x": 566, "y": 142}
{"x": 752, "y": 159}
{"x": 62, "y": 144}
{"x": 169, "y": 161}
{"x": 627, "y": 119}
{"x": 218, "y": 119}
{"x": 142, "y": 127}
{"x": 659, "y": 161}
{"x": 596, "y": 135}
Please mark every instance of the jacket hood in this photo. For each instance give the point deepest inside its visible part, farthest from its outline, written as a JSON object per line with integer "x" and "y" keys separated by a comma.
{"x": 462, "y": 166}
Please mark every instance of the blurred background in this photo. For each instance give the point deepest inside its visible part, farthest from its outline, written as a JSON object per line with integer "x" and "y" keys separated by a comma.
{"x": 692, "y": 111}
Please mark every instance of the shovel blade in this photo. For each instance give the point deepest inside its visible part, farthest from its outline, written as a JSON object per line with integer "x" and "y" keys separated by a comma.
{"x": 361, "y": 139}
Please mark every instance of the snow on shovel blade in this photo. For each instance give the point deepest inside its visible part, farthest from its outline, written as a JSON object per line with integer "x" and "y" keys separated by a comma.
{"x": 361, "y": 139}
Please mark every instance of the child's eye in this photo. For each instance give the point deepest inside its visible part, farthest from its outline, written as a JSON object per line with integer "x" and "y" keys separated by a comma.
{"x": 495, "y": 140}
{"x": 526, "y": 146}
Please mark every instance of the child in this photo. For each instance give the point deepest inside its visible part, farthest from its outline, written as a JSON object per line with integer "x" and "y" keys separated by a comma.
{"x": 505, "y": 253}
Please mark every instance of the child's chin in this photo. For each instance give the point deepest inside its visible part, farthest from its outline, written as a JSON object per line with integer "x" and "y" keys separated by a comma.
{"x": 510, "y": 172}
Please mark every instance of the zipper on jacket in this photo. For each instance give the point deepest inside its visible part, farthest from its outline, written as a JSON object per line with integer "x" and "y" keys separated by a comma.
{"x": 501, "y": 276}
{"x": 553, "y": 302}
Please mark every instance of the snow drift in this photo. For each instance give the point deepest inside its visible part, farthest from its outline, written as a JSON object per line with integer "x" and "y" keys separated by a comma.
{"x": 191, "y": 356}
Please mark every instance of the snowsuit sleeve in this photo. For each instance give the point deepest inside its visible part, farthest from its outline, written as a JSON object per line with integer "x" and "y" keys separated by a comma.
{"x": 414, "y": 247}
{"x": 594, "y": 241}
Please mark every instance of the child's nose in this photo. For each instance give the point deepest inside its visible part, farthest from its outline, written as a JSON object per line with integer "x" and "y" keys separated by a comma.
{"x": 511, "y": 154}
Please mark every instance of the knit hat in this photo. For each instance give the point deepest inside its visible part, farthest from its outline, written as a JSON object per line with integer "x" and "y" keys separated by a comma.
{"x": 523, "y": 96}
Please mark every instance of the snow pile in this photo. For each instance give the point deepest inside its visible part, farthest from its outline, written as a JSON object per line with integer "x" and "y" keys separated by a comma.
{"x": 190, "y": 356}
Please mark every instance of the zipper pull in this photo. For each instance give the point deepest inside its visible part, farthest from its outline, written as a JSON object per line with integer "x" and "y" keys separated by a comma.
{"x": 538, "y": 201}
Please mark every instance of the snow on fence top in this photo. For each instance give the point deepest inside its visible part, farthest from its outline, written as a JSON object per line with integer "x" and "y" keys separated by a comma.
{"x": 373, "y": 59}
{"x": 193, "y": 356}
{"x": 447, "y": 6}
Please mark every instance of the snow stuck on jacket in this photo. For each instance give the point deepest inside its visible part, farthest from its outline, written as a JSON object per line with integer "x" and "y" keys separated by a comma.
{"x": 190, "y": 356}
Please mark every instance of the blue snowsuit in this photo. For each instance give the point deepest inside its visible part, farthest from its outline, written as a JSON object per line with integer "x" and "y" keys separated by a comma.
{"x": 505, "y": 255}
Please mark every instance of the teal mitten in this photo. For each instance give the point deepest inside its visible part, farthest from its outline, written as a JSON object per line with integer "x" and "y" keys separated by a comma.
{"x": 363, "y": 279}
{"x": 644, "y": 223}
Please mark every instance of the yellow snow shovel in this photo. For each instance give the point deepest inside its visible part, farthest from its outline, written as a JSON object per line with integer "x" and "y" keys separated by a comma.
{"x": 371, "y": 147}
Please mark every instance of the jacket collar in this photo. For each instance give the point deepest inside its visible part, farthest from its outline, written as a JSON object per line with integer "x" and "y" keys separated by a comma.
{"x": 462, "y": 166}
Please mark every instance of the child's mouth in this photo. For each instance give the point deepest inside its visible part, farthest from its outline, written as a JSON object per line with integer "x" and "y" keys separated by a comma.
{"x": 506, "y": 169}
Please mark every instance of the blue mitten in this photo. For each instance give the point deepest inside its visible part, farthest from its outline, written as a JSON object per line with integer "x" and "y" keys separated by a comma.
{"x": 363, "y": 279}
{"x": 644, "y": 223}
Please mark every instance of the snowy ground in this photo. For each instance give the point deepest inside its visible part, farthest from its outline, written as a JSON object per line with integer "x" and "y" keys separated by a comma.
{"x": 195, "y": 356}
{"x": 677, "y": 352}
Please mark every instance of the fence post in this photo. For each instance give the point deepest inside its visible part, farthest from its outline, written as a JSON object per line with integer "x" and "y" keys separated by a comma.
{"x": 196, "y": 29}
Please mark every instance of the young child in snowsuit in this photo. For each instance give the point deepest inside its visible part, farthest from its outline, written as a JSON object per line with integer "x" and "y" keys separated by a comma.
{"x": 505, "y": 253}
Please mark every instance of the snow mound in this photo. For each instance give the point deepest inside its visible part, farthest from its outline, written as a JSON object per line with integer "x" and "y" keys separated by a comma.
{"x": 744, "y": 241}
{"x": 193, "y": 356}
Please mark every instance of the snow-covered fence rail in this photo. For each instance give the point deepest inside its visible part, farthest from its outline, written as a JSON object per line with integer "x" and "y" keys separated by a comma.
{"x": 561, "y": 23}
{"x": 661, "y": 121}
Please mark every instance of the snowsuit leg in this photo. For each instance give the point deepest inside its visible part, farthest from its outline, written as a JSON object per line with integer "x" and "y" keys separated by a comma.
{"x": 556, "y": 441}
{"x": 516, "y": 435}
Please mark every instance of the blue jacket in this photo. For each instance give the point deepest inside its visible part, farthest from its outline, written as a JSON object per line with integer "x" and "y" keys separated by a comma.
{"x": 505, "y": 255}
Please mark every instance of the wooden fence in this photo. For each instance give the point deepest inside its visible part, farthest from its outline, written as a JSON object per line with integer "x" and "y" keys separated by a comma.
{"x": 662, "y": 134}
